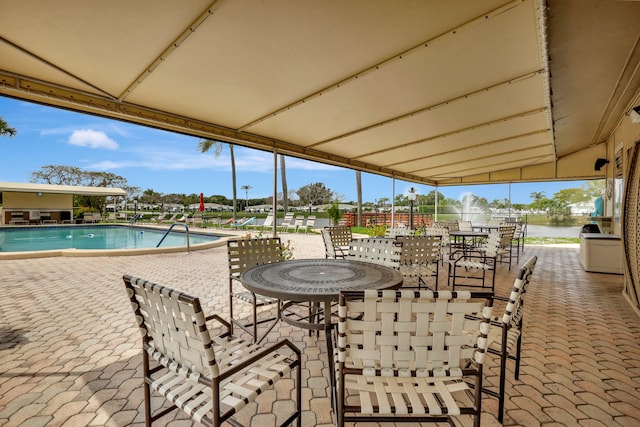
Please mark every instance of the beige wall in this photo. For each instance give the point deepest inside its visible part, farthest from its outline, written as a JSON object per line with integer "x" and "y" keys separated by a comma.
{"x": 14, "y": 200}
{"x": 626, "y": 133}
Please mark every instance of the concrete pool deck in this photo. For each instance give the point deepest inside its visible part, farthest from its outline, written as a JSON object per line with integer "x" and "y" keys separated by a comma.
{"x": 70, "y": 353}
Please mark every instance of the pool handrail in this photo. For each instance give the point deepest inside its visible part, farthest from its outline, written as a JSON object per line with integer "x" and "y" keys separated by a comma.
{"x": 134, "y": 218}
{"x": 169, "y": 231}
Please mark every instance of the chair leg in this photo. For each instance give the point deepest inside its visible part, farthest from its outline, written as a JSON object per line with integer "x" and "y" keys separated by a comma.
{"x": 493, "y": 279}
{"x": 231, "y": 307}
{"x": 255, "y": 319}
{"x": 478, "y": 399}
{"x": 147, "y": 388}
{"x": 517, "y": 356}
{"x": 503, "y": 372}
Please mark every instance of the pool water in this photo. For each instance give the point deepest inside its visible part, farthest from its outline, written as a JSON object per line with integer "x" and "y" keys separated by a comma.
{"x": 21, "y": 239}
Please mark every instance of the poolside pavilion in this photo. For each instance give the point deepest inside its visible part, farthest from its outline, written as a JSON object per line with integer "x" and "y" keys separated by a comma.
{"x": 29, "y": 203}
{"x": 438, "y": 93}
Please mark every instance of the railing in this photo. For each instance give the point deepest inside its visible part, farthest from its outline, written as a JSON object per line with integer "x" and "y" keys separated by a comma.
{"x": 134, "y": 218}
{"x": 186, "y": 227}
{"x": 370, "y": 219}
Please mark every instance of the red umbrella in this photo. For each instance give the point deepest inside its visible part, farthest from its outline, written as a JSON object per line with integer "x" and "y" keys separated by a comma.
{"x": 201, "y": 207}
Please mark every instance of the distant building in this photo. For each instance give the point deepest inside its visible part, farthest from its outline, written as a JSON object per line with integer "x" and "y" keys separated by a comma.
{"x": 210, "y": 207}
{"x": 583, "y": 208}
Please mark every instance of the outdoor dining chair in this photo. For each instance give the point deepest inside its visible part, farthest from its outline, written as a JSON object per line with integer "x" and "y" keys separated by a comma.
{"x": 505, "y": 334}
{"x": 392, "y": 232}
{"x": 420, "y": 259}
{"x": 406, "y": 356}
{"x": 505, "y": 247}
{"x": 380, "y": 251}
{"x": 440, "y": 229}
{"x": 518, "y": 240}
{"x": 469, "y": 267}
{"x": 209, "y": 377}
{"x": 336, "y": 241}
{"x": 243, "y": 254}
{"x": 465, "y": 226}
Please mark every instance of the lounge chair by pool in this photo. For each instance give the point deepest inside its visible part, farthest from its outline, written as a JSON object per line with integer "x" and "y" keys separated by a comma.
{"x": 243, "y": 222}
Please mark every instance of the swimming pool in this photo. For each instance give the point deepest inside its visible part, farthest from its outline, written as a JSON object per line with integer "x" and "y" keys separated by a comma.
{"x": 85, "y": 240}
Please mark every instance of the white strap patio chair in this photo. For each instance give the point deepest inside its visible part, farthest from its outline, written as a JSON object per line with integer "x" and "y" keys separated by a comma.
{"x": 439, "y": 229}
{"x": 469, "y": 267}
{"x": 209, "y": 377}
{"x": 336, "y": 241}
{"x": 380, "y": 251}
{"x": 420, "y": 260}
{"x": 505, "y": 333}
{"x": 407, "y": 355}
{"x": 241, "y": 255}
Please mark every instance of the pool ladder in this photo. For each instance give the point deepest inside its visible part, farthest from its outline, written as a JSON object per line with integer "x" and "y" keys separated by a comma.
{"x": 134, "y": 218}
{"x": 186, "y": 227}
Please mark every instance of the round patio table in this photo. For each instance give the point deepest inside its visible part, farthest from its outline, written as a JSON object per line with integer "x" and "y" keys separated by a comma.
{"x": 317, "y": 281}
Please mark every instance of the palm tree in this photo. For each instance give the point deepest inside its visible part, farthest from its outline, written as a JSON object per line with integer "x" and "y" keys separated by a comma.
{"x": 205, "y": 145}
{"x": 5, "y": 130}
{"x": 359, "y": 192}
{"x": 246, "y": 189}
{"x": 537, "y": 195}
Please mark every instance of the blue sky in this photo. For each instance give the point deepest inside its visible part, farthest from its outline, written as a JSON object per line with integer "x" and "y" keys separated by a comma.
{"x": 171, "y": 163}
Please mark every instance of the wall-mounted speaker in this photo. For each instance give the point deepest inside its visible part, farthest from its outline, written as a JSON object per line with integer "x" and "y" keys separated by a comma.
{"x": 635, "y": 114}
{"x": 600, "y": 162}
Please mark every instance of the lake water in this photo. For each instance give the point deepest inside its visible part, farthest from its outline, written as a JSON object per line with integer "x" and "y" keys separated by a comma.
{"x": 551, "y": 231}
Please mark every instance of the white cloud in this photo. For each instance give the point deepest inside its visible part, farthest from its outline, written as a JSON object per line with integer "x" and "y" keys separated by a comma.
{"x": 183, "y": 157}
{"x": 93, "y": 139}
{"x": 261, "y": 161}
{"x": 105, "y": 165}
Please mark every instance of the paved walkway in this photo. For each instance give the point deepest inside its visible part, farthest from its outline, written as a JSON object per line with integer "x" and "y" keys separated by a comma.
{"x": 70, "y": 354}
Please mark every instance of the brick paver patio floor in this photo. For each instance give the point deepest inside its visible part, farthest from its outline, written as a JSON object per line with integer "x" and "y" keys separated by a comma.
{"x": 70, "y": 354}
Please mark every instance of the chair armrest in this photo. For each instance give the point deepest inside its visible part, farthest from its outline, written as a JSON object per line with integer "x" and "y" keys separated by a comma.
{"x": 259, "y": 355}
{"x": 222, "y": 322}
{"x": 469, "y": 257}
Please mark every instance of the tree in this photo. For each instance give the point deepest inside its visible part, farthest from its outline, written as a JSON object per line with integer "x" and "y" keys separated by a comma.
{"x": 382, "y": 202}
{"x": 541, "y": 204}
{"x": 537, "y": 195}
{"x": 571, "y": 195}
{"x": 150, "y": 197}
{"x": 5, "y": 130}
{"x": 71, "y": 175}
{"x": 205, "y": 145}
{"x": 429, "y": 201}
{"x": 246, "y": 189}
{"x": 314, "y": 194}
{"x": 594, "y": 188}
